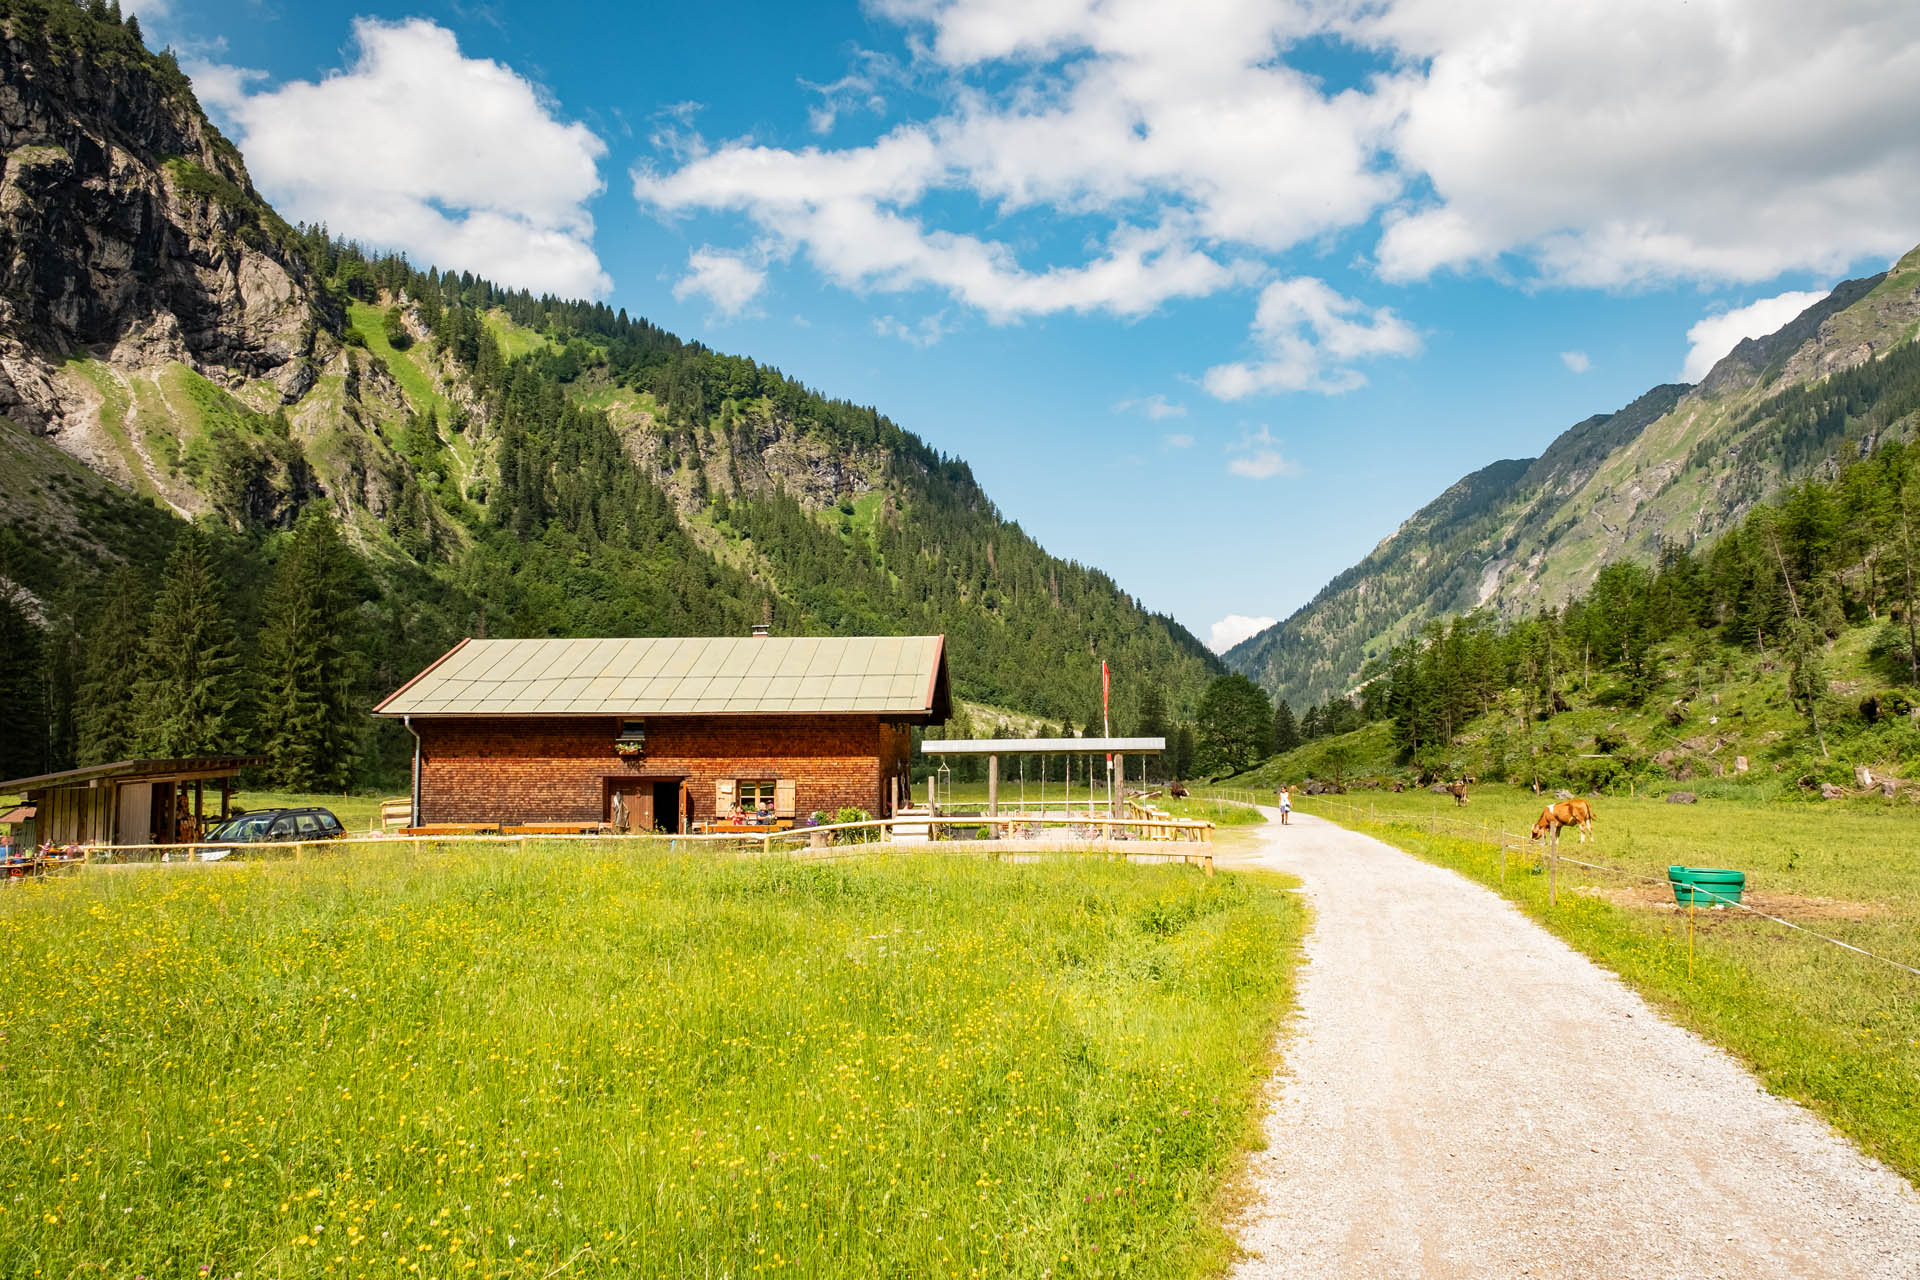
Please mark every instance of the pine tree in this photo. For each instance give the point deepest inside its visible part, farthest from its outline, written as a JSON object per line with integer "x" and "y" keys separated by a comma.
{"x": 110, "y": 656}
{"x": 1150, "y": 718}
{"x": 1180, "y": 757}
{"x": 307, "y": 665}
{"x": 1286, "y": 733}
{"x": 189, "y": 688}
{"x": 23, "y": 722}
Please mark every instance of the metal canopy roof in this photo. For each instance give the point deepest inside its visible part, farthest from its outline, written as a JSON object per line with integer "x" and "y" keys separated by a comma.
{"x": 1041, "y": 746}
{"x": 184, "y": 770}
{"x": 901, "y": 676}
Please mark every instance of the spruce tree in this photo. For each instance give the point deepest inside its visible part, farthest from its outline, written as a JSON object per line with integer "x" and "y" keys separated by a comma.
{"x": 23, "y": 721}
{"x": 1286, "y": 732}
{"x": 1150, "y": 719}
{"x": 110, "y": 656}
{"x": 189, "y": 688}
{"x": 307, "y": 666}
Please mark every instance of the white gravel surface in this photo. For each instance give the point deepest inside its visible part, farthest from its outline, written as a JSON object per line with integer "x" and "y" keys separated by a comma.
{"x": 1464, "y": 1095}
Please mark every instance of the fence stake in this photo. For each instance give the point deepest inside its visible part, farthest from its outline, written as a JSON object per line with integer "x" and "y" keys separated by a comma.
{"x": 1691, "y": 899}
{"x": 1553, "y": 867}
{"x": 1503, "y": 858}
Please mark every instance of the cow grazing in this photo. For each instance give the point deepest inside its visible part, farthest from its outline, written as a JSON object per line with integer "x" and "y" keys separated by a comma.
{"x": 1565, "y": 813}
{"x": 1458, "y": 790}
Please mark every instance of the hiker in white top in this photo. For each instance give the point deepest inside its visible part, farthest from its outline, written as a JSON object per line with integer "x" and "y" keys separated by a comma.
{"x": 1286, "y": 806}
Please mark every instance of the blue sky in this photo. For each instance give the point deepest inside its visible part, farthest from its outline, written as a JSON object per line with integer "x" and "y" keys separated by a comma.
{"x": 1211, "y": 301}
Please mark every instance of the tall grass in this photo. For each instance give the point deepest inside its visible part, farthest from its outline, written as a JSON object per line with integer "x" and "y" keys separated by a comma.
{"x": 1831, "y": 1028}
{"x": 595, "y": 1063}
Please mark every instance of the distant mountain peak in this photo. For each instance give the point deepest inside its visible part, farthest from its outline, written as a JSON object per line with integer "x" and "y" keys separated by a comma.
{"x": 1679, "y": 463}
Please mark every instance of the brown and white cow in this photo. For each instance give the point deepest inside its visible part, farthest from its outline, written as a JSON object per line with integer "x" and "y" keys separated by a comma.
{"x": 1565, "y": 813}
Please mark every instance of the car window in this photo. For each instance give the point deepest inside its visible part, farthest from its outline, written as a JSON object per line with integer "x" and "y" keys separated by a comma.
{"x": 248, "y": 827}
{"x": 329, "y": 824}
{"x": 308, "y": 824}
{"x": 283, "y": 827}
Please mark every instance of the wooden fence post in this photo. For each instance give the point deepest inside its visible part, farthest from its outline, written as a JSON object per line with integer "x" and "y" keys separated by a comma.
{"x": 1553, "y": 867}
{"x": 1503, "y": 857}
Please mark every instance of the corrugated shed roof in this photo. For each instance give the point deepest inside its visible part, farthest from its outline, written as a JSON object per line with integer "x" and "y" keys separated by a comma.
{"x": 757, "y": 675}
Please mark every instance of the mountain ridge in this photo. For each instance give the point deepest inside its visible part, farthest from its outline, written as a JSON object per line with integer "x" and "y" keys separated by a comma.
{"x": 501, "y": 463}
{"x": 1679, "y": 463}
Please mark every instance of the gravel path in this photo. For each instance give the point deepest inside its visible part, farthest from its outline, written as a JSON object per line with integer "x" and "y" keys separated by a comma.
{"x": 1464, "y": 1095}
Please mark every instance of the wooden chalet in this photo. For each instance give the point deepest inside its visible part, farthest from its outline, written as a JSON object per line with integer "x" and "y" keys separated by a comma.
{"x": 667, "y": 734}
{"x": 128, "y": 802}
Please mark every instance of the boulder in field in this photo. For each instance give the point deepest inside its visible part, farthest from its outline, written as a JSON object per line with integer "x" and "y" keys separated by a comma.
{"x": 1681, "y": 797}
{"x": 1863, "y": 777}
{"x": 1830, "y": 792}
{"x": 1739, "y": 764}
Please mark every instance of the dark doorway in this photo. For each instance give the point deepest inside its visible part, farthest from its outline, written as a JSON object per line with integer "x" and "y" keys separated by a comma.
{"x": 666, "y": 806}
{"x": 652, "y": 804}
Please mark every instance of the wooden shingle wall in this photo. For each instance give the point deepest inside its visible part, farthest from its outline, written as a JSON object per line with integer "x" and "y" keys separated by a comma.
{"x": 556, "y": 770}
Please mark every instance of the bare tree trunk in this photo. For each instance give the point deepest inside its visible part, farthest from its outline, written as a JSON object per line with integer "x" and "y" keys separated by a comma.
{"x": 1813, "y": 695}
{"x": 1906, "y": 546}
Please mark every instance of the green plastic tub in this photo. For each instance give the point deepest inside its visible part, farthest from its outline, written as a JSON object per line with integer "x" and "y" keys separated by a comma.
{"x": 1706, "y": 886}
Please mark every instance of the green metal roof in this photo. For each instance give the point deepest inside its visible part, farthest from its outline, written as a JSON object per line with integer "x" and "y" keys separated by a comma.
{"x": 902, "y": 676}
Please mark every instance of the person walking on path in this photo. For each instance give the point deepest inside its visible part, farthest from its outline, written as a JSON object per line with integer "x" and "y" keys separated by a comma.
{"x": 1286, "y": 804}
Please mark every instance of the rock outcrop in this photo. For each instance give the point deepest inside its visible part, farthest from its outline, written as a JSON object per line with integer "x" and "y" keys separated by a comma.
{"x": 129, "y": 229}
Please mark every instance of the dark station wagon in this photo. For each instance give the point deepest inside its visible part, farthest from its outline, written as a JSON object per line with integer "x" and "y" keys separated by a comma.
{"x": 271, "y": 826}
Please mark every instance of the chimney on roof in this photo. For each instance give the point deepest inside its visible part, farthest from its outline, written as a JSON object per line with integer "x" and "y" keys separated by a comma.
{"x": 761, "y": 631}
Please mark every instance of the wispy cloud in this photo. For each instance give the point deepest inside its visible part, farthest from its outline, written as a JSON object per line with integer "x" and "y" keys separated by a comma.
{"x": 1178, "y": 440}
{"x": 1576, "y": 361}
{"x": 1155, "y": 406}
{"x": 1258, "y": 457}
{"x": 924, "y": 332}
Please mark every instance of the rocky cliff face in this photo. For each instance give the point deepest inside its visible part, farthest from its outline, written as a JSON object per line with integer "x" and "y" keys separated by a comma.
{"x": 129, "y": 230}
{"x": 1680, "y": 464}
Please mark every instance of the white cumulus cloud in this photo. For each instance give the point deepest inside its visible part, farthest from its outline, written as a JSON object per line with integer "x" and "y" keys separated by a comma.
{"x": 1715, "y": 335}
{"x": 1612, "y": 142}
{"x": 456, "y": 161}
{"x": 1234, "y": 628}
{"x": 1578, "y": 361}
{"x": 1309, "y": 336}
{"x": 1191, "y": 150}
{"x": 728, "y": 280}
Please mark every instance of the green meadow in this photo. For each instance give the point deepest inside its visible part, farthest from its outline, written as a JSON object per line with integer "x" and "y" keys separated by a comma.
{"x": 1832, "y": 1028}
{"x": 617, "y": 1061}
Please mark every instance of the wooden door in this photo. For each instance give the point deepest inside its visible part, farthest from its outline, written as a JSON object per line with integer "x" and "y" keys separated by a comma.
{"x": 783, "y": 798}
{"x": 637, "y": 794}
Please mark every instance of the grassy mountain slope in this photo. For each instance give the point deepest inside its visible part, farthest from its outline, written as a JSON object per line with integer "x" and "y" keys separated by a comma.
{"x": 1679, "y": 464}
{"x": 170, "y": 349}
{"x": 1720, "y": 723}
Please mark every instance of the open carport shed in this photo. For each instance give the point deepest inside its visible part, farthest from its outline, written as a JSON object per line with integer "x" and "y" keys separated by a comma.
{"x": 993, "y": 748}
